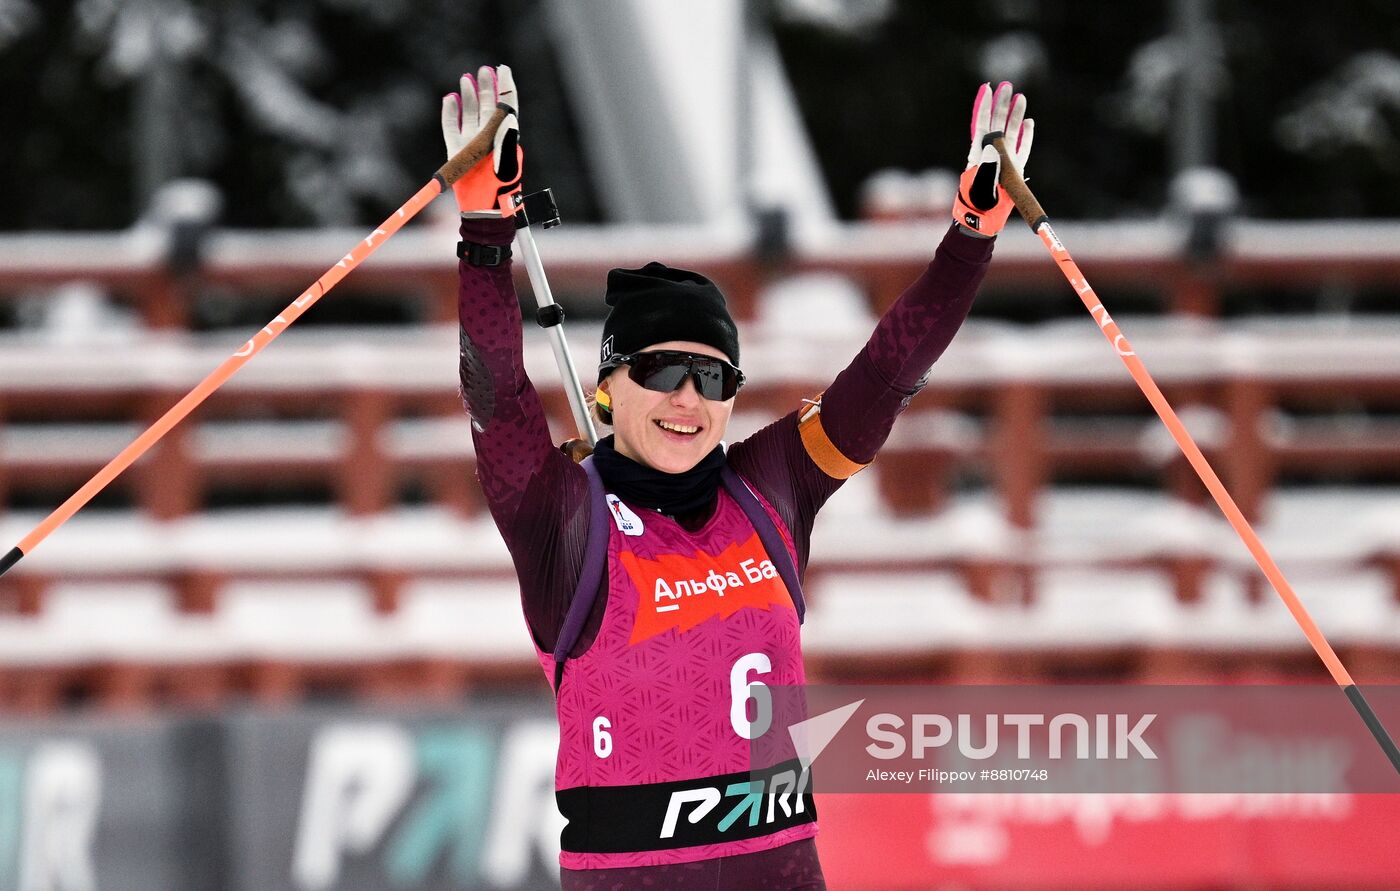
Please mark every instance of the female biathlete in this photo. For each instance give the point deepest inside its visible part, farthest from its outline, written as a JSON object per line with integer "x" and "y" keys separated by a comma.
{"x": 689, "y": 590}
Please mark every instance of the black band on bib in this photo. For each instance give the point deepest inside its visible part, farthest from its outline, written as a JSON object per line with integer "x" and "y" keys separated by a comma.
{"x": 620, "y": 819}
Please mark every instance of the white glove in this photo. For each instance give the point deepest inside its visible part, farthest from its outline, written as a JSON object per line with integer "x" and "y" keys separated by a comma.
{"x": 982, "y": 205}
{"x": 488, "y": 189}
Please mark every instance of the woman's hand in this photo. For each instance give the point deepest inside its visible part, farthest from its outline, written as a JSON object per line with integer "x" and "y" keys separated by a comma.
{"x": 488, "y": 189}
{"x": 982, "y": 205}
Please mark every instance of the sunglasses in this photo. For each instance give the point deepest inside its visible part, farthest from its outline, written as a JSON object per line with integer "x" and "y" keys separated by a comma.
{"x": 664, "y": 371}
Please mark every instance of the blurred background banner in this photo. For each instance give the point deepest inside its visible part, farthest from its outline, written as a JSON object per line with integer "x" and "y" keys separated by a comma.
{"x": 125, "y": 805}
{"x": 362, "y": 800}
{"x": 1108, "y": 841}
{"x": 330, "y": 800}
{"x": 173, "y": 172}
{"x": 346, "y": 799}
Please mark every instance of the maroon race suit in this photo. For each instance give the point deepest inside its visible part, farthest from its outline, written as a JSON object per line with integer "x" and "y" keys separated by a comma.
{"x": 539, "y": 498}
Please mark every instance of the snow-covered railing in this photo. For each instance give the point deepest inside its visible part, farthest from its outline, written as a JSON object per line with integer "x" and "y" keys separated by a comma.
{"x": 360, "y": 412}
{"x": 130, "y": 610}
{"x": 419, "y": 265}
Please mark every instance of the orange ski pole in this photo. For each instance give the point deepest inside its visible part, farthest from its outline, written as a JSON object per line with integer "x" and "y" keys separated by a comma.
{"x": 455, "y": 168}
{"x": 1035, "y": 216}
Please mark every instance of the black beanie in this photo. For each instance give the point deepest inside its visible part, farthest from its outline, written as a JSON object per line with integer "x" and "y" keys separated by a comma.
{"x": 656, "y": 303}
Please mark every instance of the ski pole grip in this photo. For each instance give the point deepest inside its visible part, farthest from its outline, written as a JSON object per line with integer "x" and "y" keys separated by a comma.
{"x": 576, "y": 449}
{"x": 1015, "y": 185}
{"x": 472, "y": 153}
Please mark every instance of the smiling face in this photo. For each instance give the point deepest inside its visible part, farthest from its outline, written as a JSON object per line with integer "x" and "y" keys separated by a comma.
{"x": 669, "y": 432}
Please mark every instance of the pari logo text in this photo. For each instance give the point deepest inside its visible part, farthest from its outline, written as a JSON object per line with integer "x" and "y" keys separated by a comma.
{"x": 680, "y": 591}
{"x": 778, "y": 798}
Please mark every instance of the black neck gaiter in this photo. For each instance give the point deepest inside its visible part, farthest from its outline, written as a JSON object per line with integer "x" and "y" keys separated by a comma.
{"x": 675, "y": 494}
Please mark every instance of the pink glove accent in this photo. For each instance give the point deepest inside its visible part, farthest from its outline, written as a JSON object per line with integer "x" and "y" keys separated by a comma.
{"x": 981, "y": 205}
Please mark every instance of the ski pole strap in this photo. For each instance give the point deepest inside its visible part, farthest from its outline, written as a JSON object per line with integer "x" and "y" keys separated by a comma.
{"x": 595, "y": 564}
{"x": 483, "y": 254}
{"x": 767, "y": 534}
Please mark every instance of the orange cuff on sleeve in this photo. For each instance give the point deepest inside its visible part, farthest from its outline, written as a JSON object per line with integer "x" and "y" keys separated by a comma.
{"x": 820, "y": 448}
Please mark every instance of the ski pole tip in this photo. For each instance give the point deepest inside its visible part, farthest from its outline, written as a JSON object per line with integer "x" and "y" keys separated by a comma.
{"x": 10, "y": 559}
{"x": 1373, "y": 723}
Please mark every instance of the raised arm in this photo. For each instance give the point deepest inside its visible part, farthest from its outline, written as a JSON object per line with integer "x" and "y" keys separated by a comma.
{"x": 535, "y": 493}
{"x": 858, "y": 410}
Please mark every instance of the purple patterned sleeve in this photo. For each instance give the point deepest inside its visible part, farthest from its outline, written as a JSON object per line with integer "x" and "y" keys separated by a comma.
{"x": 860, "y": 406}
{"x": 535, "y": 493}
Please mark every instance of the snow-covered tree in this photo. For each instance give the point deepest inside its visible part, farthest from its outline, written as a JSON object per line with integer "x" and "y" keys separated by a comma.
{"x": 302, "y": 111}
